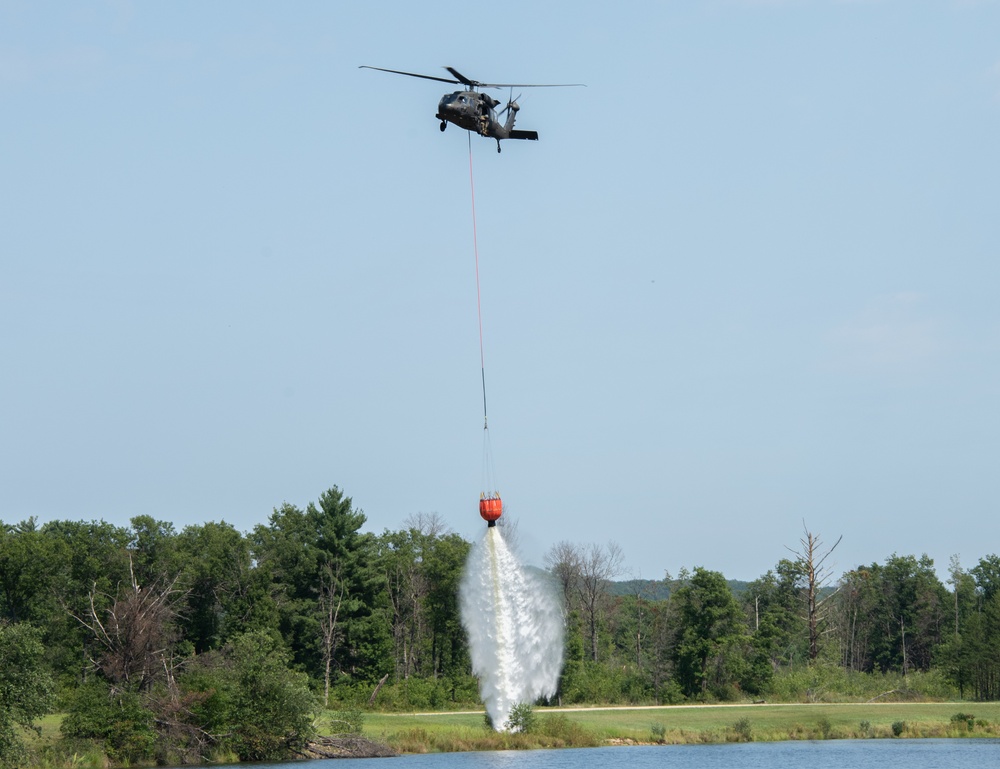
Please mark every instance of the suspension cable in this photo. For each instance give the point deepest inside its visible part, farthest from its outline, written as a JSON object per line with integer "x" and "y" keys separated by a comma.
{"x": 479, "y": 301}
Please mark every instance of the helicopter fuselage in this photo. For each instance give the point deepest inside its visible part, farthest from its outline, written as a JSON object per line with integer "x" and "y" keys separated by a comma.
{"x": 472, "y": 111}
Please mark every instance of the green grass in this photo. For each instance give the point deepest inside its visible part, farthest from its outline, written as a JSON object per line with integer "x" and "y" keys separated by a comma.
{"x": 448, "y": 732}
{"x": 688, "y": 724}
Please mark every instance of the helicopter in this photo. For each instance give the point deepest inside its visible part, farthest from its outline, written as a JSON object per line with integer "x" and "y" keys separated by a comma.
{"x": 475, "y": 111}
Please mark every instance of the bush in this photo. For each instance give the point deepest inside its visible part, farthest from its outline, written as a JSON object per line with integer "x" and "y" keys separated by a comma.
{"x": 25, "y": 689}
{"x": 249, "y": 695}
{"x": 824, "y": 682}
{"x": 659, "y": 732}
{"x": 593, "y": 682}
{"x": 346, "y": 721}
{"x": 409, "y": 694}
{"x": 116, "y": 720}
{"x": 522, "y": 719}
{"x": 898, "y": 727}
{"x": 568, "y": 733}
{"x": 967, "y": 719}
{"x": 670, "y": 693}
{"x": 271, "y": 707}
{"x": 744, "y": 730}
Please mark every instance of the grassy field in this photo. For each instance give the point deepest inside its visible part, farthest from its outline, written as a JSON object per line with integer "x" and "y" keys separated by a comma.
{"x": 679, "y": 724}
{"x": 688, "y": 724}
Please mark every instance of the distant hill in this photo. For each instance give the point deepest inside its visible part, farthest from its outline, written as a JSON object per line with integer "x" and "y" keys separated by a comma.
{"x": 658, "y": 590}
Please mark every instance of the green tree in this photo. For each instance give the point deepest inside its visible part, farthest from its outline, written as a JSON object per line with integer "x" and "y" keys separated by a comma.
{"x": 327, "y": 588}
{"x": 444, "y": 561}
{"x": 775, "y": 605}
{"x": 987, "y": 576}
{"x": 893, "y": 616}
{"x": 153, "y": 551}
{"x": 26, "y": 689}
{"x": 27, "y": 564}
{"x": 91, "y": 561}
{"x": 713, "y": 652}
{"x": 113, "y": 717}
{"x": 971, "y": 655}
{"x": 270, "y": 707}
{"x": 912, "y": 615}
{"x": 398, "y": 555}
{"x": 855, "y": 617}
{"x": 226, "y": 594}
{"x": 422, "y": 566}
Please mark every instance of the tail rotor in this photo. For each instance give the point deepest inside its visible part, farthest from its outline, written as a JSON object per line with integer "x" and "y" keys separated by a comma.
{"x": 511, "y": 103}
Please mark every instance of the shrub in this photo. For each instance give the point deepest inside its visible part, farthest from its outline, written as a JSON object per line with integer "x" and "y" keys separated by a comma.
{"x": 25, "y": 689}
{"x": 744, "y": 730}
{"x": 659, "y": 732}
{"x": 569, "y": 733}
{"x": 346, "y": 721}
{"x": 117, "y": 720}
{"x": 271, "y": 706}
{"x": 522, "y": 719}
{"x": 248, "y": 695}
{"x": 965, "y": 718}
{"x": 898, "y": 727}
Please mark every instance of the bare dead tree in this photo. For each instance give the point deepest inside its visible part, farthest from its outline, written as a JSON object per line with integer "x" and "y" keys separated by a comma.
{"x": 598, "y": 566}
{"x": 332, "y": 590}
{"x": 955, "y": 578}
{"x": 638, "y": 623}
{"x": 431, "y": 525}
{"x": 135, "y": 633}
{"x": 563, "y": 560}
{"x": 371, "y": 700}
{"x": 812, "y": 560}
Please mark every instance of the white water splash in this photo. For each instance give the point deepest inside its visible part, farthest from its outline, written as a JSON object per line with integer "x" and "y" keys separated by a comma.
{"x": 515, "y": 627}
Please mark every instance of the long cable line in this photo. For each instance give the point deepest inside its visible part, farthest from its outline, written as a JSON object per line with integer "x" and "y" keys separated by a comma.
{"x": 479, "y": 300}
{"x": 490, "y": 494}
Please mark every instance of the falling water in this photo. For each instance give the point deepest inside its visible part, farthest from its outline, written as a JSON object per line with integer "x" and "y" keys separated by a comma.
{"x": 515, "y": 627}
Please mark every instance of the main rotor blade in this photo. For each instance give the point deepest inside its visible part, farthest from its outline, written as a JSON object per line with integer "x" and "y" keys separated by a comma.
{"x": 460, "y": 78}
{"x": 531, "y": 85}
{"x": 464, "y": 80}
{"x": 414, "y": 74}
{"x": 476, "y": 84}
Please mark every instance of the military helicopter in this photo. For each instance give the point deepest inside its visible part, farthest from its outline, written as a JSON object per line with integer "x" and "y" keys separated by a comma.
{"x": 475, "y": 111}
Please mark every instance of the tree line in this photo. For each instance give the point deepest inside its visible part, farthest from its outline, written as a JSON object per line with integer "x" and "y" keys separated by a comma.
{"x": 178, "y": 646}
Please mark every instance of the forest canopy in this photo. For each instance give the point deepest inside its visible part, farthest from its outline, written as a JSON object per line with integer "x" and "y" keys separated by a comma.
{"x": 170, "y": 645}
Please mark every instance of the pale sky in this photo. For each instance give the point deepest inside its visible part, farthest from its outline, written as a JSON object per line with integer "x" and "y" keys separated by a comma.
{"x": 746, "y": 278}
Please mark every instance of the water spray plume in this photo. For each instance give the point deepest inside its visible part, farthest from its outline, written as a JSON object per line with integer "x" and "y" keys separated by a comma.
{"x": 515, "y": 627}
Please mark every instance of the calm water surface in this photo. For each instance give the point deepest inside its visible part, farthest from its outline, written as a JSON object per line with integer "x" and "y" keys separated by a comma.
{"x": 829, "y": 754}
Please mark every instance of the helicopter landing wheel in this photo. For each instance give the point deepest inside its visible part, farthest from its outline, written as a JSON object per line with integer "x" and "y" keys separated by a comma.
{"x": 498, "y": 148}
{"x": 444, "y": 125}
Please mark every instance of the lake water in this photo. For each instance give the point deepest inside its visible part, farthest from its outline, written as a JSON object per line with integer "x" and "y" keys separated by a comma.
{"x": 829, "y": 754}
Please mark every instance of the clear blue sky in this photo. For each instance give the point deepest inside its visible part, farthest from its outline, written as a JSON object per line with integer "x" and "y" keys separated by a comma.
{"x": 746, "y": 278}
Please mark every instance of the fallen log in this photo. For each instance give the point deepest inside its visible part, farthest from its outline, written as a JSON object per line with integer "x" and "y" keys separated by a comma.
{"x": 346, "y": 746}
